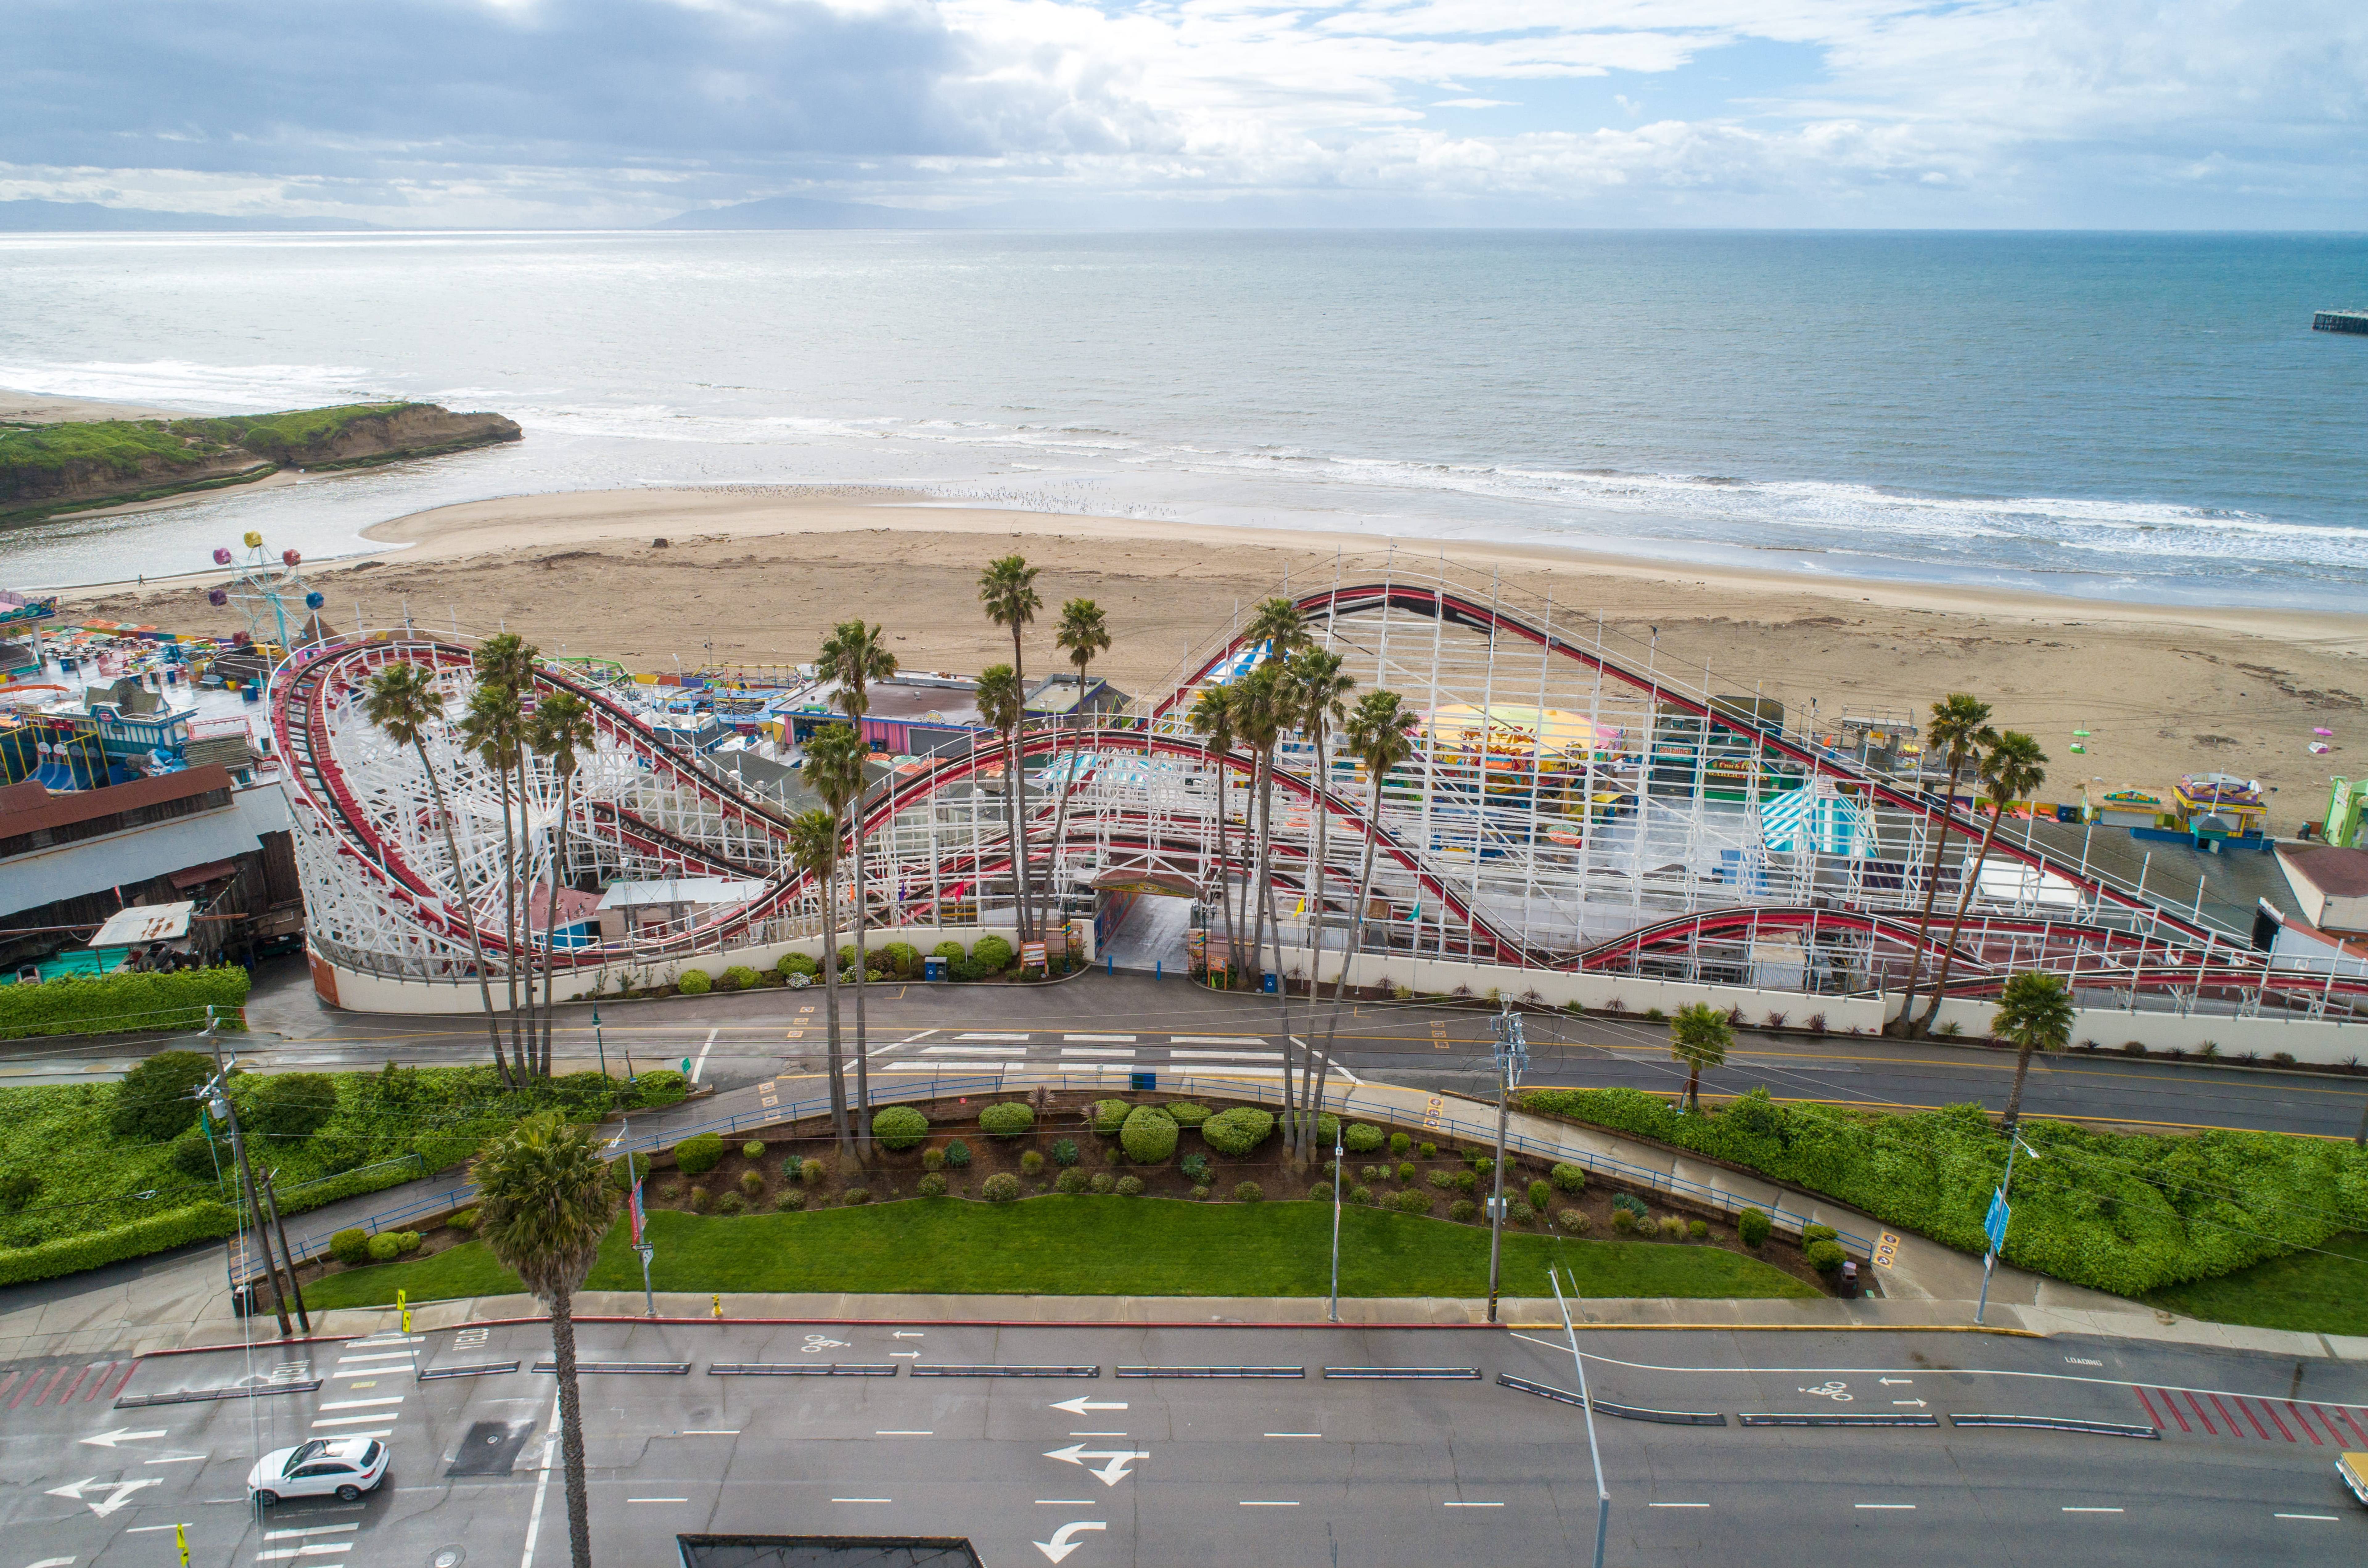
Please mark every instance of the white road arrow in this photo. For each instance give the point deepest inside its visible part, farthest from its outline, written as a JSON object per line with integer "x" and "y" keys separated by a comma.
{"x": 1080, "y": 1404}
{"x": 120, "y": 1434}
{"x": 906, "y": 1355}
{"x": 1060, "y": 1546}
{"x": 118, "y": 1492}
{"x": 1895, "y": 1379}
{"x": 1111, "y": 1472}
{"x": 1916, "y": 1403}
{"x": 900, "y": 1333}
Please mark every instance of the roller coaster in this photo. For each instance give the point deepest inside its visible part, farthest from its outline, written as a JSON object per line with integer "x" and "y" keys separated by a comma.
{"x": 1570, "y": 806}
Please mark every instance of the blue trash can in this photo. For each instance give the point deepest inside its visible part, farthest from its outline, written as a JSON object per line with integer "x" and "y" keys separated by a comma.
{"x": 933, "y": 967}
{"x": 1271, "y": 984}
{"x": 1145, "y": 1080}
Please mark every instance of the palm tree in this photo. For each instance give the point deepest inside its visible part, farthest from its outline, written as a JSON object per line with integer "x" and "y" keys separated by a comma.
{"x": 1262, "y": 704}
{"x": 835, "y": 760}
{"x": 1001, "y": 703}
{"x": 1318, "y": 691}
{"x": 561, "y": 729}
{"x": 402, "y": 701}
{"x": 2034, "y": 1010}
{"x": 544, "y": 1200}
{"x": 2009, "y": 771}
{"x": 813, "y": 849}
{"x": 859, "y": 655}
{"x": 505, "y": 662}
{"x": 1378, "y": 732}
{"x": 1007, "y": 589}
{"x": 1960, "y": 729}
{"x": 495, "y": 731}
{"x": 1699, "y": 1036}
{"x": 1212, "y": 720}
{"x": 1083, "y": 633}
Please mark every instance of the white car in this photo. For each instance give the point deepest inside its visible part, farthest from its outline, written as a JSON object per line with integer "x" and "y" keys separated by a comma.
{"x": 343, "y": 1467}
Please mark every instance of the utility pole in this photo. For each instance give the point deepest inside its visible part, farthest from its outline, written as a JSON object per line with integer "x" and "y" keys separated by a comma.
{"x": 1578, "y": 1364}
{"x": 1512, "y": 1055}
{"x": 218, "y": 1105}
{"x": 271, "y": 1202}
{"x": 1994, "y": 1224}
{"x": 1340, "y": 1176}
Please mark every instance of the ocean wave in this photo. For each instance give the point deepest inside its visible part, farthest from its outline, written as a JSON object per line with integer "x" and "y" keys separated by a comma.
{"x": 181, "y": 383}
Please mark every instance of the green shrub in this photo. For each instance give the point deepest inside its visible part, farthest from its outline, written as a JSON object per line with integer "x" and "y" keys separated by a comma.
{"x": 1673, "y": 1227}
{"x": 741, "y": 977}
{"x": 1249, "y": 1192}
{"x": 1070, "y": 1181}
{"x": 1541, "y": 1196}
{"x": 752, "y": 1183}
{"x": 1000, "y": 1188}
{"x": 465, "y": 1222}
{"x": 752, "y": 1150}
{"x": 1431, "y": 1151}
{"x": 1518, "y": 1212}
{"x": 286, "y": 1105}
{"x": 157, "y": 1098}
{"x": 1364, "y": 1138}
{"x": 1824, "y": 1255}
{"x": 19, "y": 1188}
{"x": 1575, "y": 1221}
{"x": 1186, "y": 1113}
{"x": 731, "y": 1203}
{"x": 793, "y": 1167}
{"x": 1400, "y": 1143}
{"x": 698, "y": 1153}
{"x": 1362, "y": 1195}
{"x": 1569, "y": 1178}
{"x": 1413, "y": 1201}
{"x": 992, "y": 954}
{"x": 856, "y": 1197}
{"x": 900, "y": 1127}
{"x": 1065, "y": 1151}
{"x": 1751, "y": 1228}
{"x": 384, "y": 1248}
{"x": 790, "y": 1199}
{"x": 1462, "y": 1210}
{"x": 693, "y": 983}
{"x": 1443, "y": 1180}
{"x": 1623, "y": 1221}
{"x": 846, "y": 959}
{"x": 966, "y": 969}
{"x": 903, "y": 957}
{"x": 193, "y": 1155}
{"x": 957, "y": 1155}
{"x": 1106, "y": 1116}
{"x": 1630, "y": 1202}
{"x": 1406, "y": 1170}
{"x": 99, "y": 1003}
{"x": 813, "y": 1172}
{"x": 798, "y": 963}
{"x": 350, "y": 1245}
{"x": 1818, "y": 1233}
{"x": 1148, "y": 1135}
{"x": 953, "y": 953}
{"x": 1199, "y": 1195}
{"x": 1130, "y": 1187}
{"x": 932, "y": 1186}
{"x": 664, "y": 1087}
{"x": 586, "y": 1097}
{"x": 1327, "y": 1130}
{"x": 1196, "y": 1168}
{"x": 1466, "y": 1181}
{"x": 1698, "y": 1229}
{"x": 1238, "y": 1131}
{"x": 1030, "y": 1162}
{"x": 1009, "y": 1119}
{"x": 1101, "y": 1182}
{"x": 699, "y": 1199}
{"x": 933, "y": 1159}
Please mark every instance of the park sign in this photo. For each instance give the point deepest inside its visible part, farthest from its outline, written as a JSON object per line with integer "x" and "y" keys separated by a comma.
{"x": 1994, "y": 1225}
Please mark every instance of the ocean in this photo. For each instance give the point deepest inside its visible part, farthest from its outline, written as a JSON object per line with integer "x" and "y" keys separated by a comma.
{"x": 2119, "y": 416}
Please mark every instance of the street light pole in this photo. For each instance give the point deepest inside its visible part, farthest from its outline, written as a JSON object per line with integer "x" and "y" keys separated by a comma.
{"x": 1578, "y": 1364}
{"x": 1511, "y": 1052}
{"x": 1997, "y": 1229}
{"x": 218, "y": 1103}
{"x": 1339, "y": 1173}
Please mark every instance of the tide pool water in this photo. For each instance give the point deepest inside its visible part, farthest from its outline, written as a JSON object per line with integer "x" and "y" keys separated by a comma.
{"x": 2127, "y": 417}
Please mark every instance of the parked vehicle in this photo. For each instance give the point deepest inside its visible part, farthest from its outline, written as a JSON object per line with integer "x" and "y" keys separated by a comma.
{"x": 343, "y": 1467}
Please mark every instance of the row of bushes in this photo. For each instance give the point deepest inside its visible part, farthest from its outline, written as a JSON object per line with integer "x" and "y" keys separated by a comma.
{"x": 890, "y": 960}
{"x": 116, "y": 1004}
{"x": 2123, "y": 1213}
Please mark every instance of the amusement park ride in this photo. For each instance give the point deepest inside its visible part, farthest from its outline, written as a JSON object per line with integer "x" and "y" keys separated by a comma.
{"x": 1570, "y": 808}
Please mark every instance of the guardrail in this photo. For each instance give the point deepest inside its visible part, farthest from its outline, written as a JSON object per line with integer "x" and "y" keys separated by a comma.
{"x": 1340, "y": 1100}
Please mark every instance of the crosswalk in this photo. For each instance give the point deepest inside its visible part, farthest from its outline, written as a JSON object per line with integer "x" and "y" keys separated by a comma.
{"x": 361, "y": 1396}
{"x": 976, "y": 1052}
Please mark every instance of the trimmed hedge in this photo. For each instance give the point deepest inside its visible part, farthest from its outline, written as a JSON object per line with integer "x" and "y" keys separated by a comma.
{"x": 1186, "y": 1114}
{"x": 156, "y": 1099}
{"x": 700, "y": 1153}
{"x": 1000, "y": 1188}
{"x": 1008, "y": 1120}
{"x": 1108, "y": 1116}
{"x": 1148, "y": 1135}
{"x": 664, "y": 1086}
{"x": 117, "y": 1003}
{"x": 900, "y": 1126}
{"x": 1364, "y": 1137}
{"x": 2121, "y": 1212}
{"x": 1239, "y": 1131}
{"x": 798, "y": 963}
{"x": 693, "y": 983}
{"x": 992, "y": 954}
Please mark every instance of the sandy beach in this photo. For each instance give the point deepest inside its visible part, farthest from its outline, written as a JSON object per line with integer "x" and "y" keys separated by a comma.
{"x": 755, "y": 575}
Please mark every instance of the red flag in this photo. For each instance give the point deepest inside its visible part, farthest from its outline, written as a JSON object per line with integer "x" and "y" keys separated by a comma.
{"x": 636, "y": 1206}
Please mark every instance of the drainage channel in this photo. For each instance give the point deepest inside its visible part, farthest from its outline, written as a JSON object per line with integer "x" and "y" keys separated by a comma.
{"x": 2061, "y": 1423}
{"x": 479, "y": 1370}
{"x": 1444, "y": 1374}
{"x": 199, "y": 1396}
{"x": 1778, "y": 1420}
{"x": 640, "y": 1368}
{"x": 801, "y": 1370}
{"x": 1211, "y": 1372}
{"x": 1624, "y": 1412}
{"x": 990, "y": 1371}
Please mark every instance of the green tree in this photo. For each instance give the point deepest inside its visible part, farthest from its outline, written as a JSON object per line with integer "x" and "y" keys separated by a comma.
{"x": 1002, "y": 703}
{"x": 1083, "y": 633}
{"x": 1380, "y": 734}
{"x": 1262, "y": 704}
{"x": 404, "y": 701}
{"x": 813, "y": 849}
{"x": 560, "y": 732}
{"x": 834, "y": 765}
{"x": 857, "y": 655}
{"x": 506, "y": 668}
{"x": 1959, "y": 730}
{"x": 2034, "y": 1010}
{"x": 2009, "y": 770}
{"x": 1212, "y": 720}
{"x": 544, "y": 1200}
{"x": 1698, "y": 1037}
{"x": 1007, "y": 590}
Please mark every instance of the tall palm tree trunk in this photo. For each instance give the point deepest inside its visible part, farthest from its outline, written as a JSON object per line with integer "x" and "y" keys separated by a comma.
{"x": 1931, "y": 891}
{"x": 1054, "y": 895}
{"x": 1316, "y": 907}
{"x": 551, "y": 920}
{"x": 1021, "y": 889}
{"x": 1355, "y": 943}
{"x": 510, "y": 915}
{"x": 1964, "y": 902}
{"x": 468, "y": 916}
{"x": 862, "y": 984}
{"x": 571, "y": 1429}
{"x": 1226, "y": 884}
{"x": 2014, "y": 1095}
{"x": 1254, "y": 829}
{"x": 1283, "y": 999}
{"x": 830, "y": 1005}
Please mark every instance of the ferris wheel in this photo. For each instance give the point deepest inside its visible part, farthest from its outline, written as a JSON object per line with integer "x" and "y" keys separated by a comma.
{"x": 267, "y": 590}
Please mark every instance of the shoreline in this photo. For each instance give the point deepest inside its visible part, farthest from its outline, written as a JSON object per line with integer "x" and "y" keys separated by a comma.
{"x": 757, "y": 574}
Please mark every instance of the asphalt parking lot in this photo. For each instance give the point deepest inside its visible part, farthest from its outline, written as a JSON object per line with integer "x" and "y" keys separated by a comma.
{"x": 1052, "y": 1444}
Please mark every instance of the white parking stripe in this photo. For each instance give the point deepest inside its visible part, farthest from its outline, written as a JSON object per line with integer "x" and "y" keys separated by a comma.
{"x": 1101, "y": 1039}
{"x": 352, "y": 1421}
{"x": 1224, "y": 1055}
{"x": 317, "y": 1530}
{"x": 361, "y": 1404}
{"x": 974, "y": 1050}
{"x": 388, "y": 1356}
{"x": 989, "y": 1034}
{"x": 945, "y": 1066}
{"x": 328, "y": 1549}
{"x": 1123, "y": 1051}
{"x": 1216, "y": 1040}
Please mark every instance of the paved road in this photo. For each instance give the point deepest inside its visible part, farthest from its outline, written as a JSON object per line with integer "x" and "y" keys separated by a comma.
{"x": 734, "y": 1041}
{"x": 1311, "y": 1469}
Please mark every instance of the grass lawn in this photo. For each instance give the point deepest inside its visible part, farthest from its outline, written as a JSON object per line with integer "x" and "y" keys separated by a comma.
{"x": 1092, "y": 1246}
{"x": 2320, "y": 1293}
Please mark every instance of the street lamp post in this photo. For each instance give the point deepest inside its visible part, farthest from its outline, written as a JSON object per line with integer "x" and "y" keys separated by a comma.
{"x": 1994, "y": 1224}
{"x": 1578, "y": 1364}
{"x": 1340, "y": 1171}
{"x": 1512, "y": 1054}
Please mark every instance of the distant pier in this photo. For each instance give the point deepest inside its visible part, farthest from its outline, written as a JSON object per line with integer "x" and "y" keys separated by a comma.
{"x": 2341, "y": 320}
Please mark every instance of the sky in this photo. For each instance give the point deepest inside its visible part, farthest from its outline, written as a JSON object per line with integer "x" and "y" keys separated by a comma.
{"x": 2174, "y": 114}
